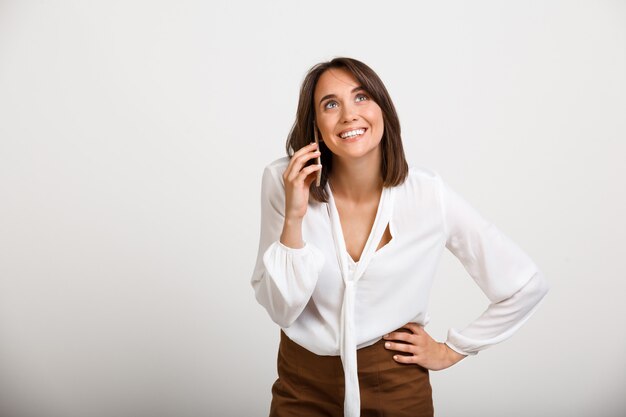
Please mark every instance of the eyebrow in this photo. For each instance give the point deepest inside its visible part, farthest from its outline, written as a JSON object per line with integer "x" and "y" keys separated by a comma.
{"x": 355, "y": 89}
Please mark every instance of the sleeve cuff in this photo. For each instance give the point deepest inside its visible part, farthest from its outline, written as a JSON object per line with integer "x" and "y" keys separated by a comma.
{"x": 293, "y": 250}
{"x": 458, "y": 350}
{"x": 318, "y": 257}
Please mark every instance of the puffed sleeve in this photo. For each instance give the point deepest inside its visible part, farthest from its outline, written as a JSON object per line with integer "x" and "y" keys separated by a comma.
{"x": 508, "y": 277}
{"x": 284, "y": 278}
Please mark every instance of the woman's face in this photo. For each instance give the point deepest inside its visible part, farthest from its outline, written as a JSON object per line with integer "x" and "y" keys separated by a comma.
{"x": 342, "y": 106}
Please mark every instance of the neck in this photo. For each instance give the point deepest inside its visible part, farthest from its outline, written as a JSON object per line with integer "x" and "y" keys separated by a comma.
{"x": 357, "y": 180}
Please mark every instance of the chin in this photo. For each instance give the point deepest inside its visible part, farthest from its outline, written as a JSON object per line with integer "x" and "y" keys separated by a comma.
{"x": 358, "y": 153}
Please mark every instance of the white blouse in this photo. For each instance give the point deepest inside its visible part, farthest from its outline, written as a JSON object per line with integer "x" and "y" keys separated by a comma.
{"x": 331, "y": 305}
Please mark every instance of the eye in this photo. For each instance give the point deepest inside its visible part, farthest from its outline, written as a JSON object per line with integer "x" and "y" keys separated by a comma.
{"x": 361, "y": 96}
{"x": 326, "y": 106}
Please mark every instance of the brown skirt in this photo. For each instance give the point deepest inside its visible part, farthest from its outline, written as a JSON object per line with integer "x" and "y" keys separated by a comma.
{"x": 313, "y": 385}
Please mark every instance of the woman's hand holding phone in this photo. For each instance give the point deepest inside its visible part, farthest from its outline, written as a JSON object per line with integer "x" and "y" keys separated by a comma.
{"x": 298, "y": 179}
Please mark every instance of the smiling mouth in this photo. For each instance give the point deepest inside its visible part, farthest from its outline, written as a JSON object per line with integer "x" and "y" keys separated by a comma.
{"x": 352, "y": 133}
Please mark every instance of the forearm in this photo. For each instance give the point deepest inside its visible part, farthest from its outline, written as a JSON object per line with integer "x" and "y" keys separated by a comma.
{"x": 292, "y": 233}
{"x": 452, "y": 356}
{"x": 285, "y": 279}
{"x": 501, "y": 319}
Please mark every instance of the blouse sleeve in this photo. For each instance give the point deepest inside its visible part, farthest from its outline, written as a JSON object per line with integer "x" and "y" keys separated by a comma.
{"x": 284, "y": 278}
{"x": 508, "y": 277}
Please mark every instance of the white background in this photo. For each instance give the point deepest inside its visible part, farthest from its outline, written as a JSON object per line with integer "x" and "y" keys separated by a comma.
{"x": 133, "y": 135}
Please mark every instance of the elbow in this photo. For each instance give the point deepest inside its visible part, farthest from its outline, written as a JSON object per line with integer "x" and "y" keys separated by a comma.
{"x": 542, "y": 287}
{"x": 533, "y": 291}
{"x": 284, "y": 315}
{"x": 283, "y": 321}
{"x": 282, "y": 310}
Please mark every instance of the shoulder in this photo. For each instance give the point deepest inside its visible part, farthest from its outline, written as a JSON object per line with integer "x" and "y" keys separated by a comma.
{"x": 277, "y": 167}
{"x": 278, "y": 164}
{"x": 273, "y": 174}
{"x": 423, "y": 176}
{"x": 420, "y": 193}
{"x": 422, "y": 185}
{"x": 420, "y": 171}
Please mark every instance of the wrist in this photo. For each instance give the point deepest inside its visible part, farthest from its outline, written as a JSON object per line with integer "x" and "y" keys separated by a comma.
{"x": 452, "y": 355}
{"x": 292, "y": 233}
{"x": 293, "y": 221}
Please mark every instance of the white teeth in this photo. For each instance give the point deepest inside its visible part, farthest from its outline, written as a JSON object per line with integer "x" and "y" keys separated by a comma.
{"x": 352, "y": 133}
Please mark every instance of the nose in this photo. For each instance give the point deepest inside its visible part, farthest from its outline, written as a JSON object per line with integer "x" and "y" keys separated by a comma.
{"x": 348, "y": 113}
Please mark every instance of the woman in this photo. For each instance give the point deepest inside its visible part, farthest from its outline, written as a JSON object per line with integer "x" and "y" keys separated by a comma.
{"x": 345, "y": 269}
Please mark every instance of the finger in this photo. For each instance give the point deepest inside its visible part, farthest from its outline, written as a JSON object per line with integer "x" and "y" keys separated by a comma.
{"x": 404, "y": 359}
{"x": 300, "y": 162}
{"x": 414, "y": 327}
{"x": 304, "y": 158}
{"x": 407, "y": 337}
{"x": 303, "y": 150}
{"x": 401, "y": 347}
{"x": 308, "y": 148}
{"x": 308, "y": 171}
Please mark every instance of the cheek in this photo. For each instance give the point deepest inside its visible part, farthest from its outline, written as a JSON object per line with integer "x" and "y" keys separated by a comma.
{"x": 378, "y": 122}
{"x": 375, "y": 115}
{"x": 326, "y": 127}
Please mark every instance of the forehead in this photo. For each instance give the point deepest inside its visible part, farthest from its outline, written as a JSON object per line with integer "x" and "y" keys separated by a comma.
{"x": 335, "y": 80}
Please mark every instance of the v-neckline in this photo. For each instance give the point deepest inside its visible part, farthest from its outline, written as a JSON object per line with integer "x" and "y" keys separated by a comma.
{"x": 369, "y": 235}
{"x": 381, "y": 220}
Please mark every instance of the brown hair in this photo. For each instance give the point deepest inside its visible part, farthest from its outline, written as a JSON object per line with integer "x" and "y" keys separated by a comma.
{"x": 394, "y": 166}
